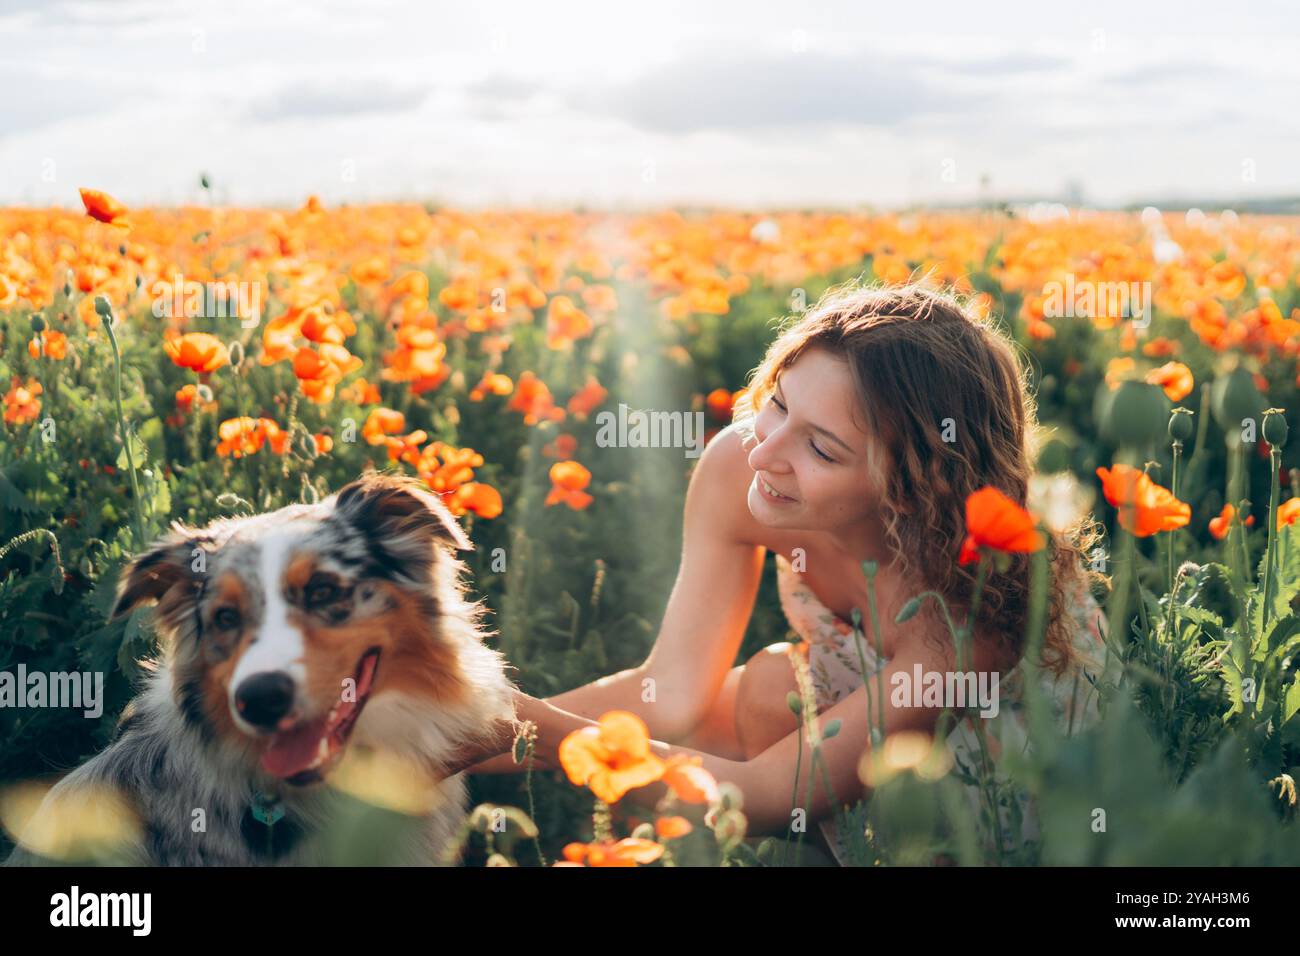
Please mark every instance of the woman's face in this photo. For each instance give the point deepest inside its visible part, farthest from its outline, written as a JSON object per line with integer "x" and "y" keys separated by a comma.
{"x": 811, "y": 457}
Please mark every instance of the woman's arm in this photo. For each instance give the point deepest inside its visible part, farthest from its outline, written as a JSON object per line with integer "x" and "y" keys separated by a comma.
{"x": 767, "y": 781}
{"x": 704, "y": 623}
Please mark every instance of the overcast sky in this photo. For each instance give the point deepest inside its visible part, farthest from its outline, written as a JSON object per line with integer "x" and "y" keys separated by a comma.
{"x": 648, "y": 103}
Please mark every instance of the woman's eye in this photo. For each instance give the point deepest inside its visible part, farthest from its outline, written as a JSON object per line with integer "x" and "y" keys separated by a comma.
{"x": 820, "y": 454}
{"x": 227, "y": 619}
{"x": 777, "y": 402}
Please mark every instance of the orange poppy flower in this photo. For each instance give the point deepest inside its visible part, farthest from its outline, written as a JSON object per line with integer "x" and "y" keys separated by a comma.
{"x": 612, "y": 757}
{"x": 240, "y": 437}
{"x": 55, "y": 342}
{"x": 21, "y": 402}
{"x": 534, "y": 399}
{"x": 1145, "y": 508}
{"x": 103, "y": 207}
{"x": 587, "y": 398}
{"x": 995, "y": 521}
{"x": 1118, "y": 369}
{"x": 1225, "y": 281}
{"x": 1220, "y": 526}
{"x": 1288, "y": 512}
{"x": 188, "y": 396}
{"x": 689, "y": 781}
{"x": 629, "y": 851}
{"x": 565, "y": 322}
{"x": 670, "y": 828}
{"x": 199, "y": 351}
{"x": 493, "y": 382}
{"x": 564, "y": 446}
{"x": 568, "y": 478}
{"x": 1175, "y": 378}
{"x": 380, "y": 423}
{"x": 361, "y": 392}
{"x": 720, "y": 402}
{"x": 483, "y": 500}
{"x": 445, "y": 468}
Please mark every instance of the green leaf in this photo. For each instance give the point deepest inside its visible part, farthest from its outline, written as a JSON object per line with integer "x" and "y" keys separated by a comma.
{"x": 138, "y": 448}
{"x": 1291, "y": 700}
{"x": 12, "y": 497}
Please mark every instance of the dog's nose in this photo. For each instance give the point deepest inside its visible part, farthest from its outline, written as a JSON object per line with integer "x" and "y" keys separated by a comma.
{"x": 264, "y": 698}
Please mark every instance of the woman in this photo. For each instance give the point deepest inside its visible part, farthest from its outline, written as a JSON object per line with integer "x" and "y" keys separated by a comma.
{"x": 863, "y": 431}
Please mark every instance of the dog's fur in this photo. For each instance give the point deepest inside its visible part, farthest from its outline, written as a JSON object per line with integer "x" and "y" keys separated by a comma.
{"x": 312, "y": 588}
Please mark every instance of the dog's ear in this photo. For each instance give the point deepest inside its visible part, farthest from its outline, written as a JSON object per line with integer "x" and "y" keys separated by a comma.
{"x": 168, "y": 562}
{"x": 400, "y": 518}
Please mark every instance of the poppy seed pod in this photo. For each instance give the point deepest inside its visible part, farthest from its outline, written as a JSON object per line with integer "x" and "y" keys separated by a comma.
{"x": 1137, "y": 413}
{"x": 1275, "y": 427}
{"x": 1055, "y": 456}
{"x": 1180, "y": 424}
{"x": 1234, "y": 397}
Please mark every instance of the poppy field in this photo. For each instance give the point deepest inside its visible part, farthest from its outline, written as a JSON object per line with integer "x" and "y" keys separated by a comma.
{"x": 179, "y": 364}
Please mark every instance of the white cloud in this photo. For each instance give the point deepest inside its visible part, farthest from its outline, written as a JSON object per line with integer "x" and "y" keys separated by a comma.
{"x": 735, "y": 103}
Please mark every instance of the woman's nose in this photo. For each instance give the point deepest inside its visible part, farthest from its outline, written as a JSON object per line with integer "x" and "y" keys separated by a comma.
{"x": 767, "y": 453}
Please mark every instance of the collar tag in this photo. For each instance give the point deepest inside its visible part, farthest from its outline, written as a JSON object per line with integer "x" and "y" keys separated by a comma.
{"x": 267, "y": 809}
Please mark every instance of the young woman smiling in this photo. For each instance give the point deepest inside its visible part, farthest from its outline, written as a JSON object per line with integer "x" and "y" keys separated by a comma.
{"x": 838, "y": 456}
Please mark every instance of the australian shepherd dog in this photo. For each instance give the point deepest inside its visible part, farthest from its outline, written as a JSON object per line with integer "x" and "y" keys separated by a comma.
{"x": 292, "y": 640}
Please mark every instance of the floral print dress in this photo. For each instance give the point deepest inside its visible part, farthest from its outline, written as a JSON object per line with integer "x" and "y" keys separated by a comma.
{"x": 836, "y": 671}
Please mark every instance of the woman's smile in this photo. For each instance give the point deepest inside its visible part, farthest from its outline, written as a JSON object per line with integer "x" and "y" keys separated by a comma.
{"x": 770, "y": 493}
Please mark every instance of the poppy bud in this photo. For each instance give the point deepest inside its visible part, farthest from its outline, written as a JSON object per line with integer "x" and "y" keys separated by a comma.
{"x": 236, "y": 352}
{"x": 103, "y": 309}
{"x": 729, "y": 796}
{"x": 869, "y": 568}
{"x": 205, "y": 393}
{"x": 909, "y": 610}
{"x": 1234, "y": 397}
{"x": 831, "y": 729}
{"x": 646, "y": 831}
{"x": 1054, "y": 456}
{"x": 1180, "y": 424}
{"x": 794, "y": 702}
{"x": 204, "y": 181}
{"x": 1136, "y": 414}
{"x": 38, "y": 323}
{"x": 1275, "y": 427}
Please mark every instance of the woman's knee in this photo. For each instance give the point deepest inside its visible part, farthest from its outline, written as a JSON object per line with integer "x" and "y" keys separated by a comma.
{"x": 763, "y": 715}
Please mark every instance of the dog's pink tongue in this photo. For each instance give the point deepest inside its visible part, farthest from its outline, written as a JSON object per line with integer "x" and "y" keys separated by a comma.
{"x": 293, "y": 751}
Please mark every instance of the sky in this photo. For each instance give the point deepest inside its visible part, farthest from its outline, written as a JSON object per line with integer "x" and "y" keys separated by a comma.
{"x": 631, "y": 105}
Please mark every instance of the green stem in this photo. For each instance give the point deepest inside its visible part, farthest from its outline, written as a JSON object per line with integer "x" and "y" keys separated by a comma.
{"x": 1275, "y": 462}
{"x": 137, "y": 514}
{"x": 1173, "y": 535}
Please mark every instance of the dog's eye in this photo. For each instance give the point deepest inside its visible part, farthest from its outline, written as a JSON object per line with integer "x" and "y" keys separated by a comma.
{"x": 321, "y": 592}
{"x": 226, "y": 618}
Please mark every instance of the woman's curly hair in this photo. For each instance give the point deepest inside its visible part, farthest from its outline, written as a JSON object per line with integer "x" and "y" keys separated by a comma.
{"x": 926, "y": 366}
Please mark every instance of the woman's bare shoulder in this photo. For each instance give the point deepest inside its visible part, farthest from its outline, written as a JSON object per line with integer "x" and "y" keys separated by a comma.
{"x": 719, "y": 486}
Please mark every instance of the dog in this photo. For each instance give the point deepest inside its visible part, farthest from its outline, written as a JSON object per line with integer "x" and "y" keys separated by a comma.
{"x": 289, "y": 638}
